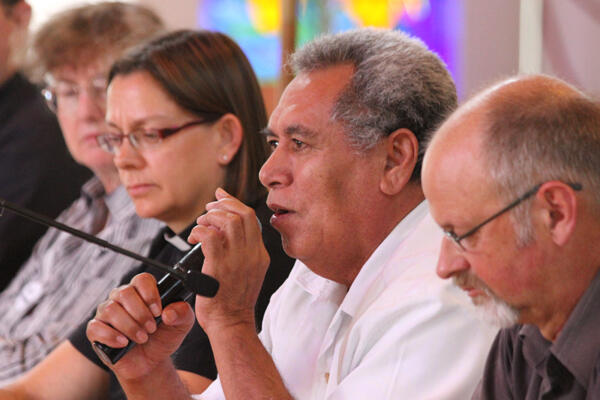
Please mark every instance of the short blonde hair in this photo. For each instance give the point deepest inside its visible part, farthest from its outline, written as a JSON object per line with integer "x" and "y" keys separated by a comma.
{"x": 90, "y": 33}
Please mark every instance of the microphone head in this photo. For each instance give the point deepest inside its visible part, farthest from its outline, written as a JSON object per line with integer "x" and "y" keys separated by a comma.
{"x": 201, "y": 284}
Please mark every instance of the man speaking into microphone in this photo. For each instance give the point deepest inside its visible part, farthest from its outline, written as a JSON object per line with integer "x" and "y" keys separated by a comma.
{"x": 362, "y": 314}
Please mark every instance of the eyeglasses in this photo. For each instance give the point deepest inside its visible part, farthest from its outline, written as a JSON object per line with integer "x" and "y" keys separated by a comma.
{"x": 456, "y": 239}
{"x": 65, "y": 94}
{"x": 141, "y": 140}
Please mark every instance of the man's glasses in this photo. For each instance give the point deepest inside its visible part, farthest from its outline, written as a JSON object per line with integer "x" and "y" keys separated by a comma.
{"x": 141, "y": 140}
{"x": 457, "y": 239}
{"x": 65, "y": 94}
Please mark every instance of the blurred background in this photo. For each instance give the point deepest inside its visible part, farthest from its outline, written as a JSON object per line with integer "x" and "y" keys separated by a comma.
{"x": 480, "y": 41}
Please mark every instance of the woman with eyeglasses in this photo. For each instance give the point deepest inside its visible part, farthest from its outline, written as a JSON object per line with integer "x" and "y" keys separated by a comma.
{"x": 184, "y": 114}
{"x": 65, "y": 277}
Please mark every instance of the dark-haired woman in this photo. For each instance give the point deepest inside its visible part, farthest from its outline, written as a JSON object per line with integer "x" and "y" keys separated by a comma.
{"x": 185, "y": 113}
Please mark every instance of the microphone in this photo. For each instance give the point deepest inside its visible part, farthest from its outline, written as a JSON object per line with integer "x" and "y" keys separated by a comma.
{"x": 179, "y": 284}
{"x": 171, "y": 290}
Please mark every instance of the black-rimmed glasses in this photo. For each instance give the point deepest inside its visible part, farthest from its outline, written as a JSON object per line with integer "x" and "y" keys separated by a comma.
{"x": 458, "y": 238}
{"x": 141, "y": 139}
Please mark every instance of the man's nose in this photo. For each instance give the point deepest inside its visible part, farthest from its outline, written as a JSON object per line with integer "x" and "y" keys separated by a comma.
{"x": 276, "y": 170}
{"x": 450, "y": 261}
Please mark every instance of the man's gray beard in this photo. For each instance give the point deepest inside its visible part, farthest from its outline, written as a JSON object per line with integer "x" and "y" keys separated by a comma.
{"x": 497, "y": 312}
{"x": 490, "y": 309}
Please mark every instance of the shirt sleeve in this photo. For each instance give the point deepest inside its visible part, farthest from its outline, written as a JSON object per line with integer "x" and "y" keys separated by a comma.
{"x": 215, "y": 390}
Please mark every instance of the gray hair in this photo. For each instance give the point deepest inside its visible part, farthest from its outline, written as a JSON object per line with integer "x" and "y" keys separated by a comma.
{"x": 397, "y": 83}
{"x": 544, "y": 131}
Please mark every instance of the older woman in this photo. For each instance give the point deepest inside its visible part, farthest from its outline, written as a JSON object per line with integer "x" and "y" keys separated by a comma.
{"x": 184, "y": 114}
{"x": 65, "y": 277}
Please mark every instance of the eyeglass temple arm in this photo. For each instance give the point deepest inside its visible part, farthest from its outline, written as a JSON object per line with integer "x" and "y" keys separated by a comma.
{"x": 575, "y": 186}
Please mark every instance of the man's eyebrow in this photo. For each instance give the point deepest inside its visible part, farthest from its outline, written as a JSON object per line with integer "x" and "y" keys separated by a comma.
{"x": 299, "y": 130}
{"x": 266, "y": 132}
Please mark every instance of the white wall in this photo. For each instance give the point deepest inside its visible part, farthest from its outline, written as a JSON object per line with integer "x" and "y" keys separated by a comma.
{"x": 491, "y": 43}
{"x": 177, "y": 14}
{"x": 571, "y": 31}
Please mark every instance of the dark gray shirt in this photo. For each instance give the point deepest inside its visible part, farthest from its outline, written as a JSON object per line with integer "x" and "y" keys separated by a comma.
{"x": 522, "y": 364}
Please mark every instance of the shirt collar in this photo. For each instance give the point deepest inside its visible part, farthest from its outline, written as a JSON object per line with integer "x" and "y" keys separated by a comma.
{"x": 118, "y": 202}
{"x": 350, "y": 300}
{"x": 578, "y": 344}
{"x": 92, "y": 189}
{"x": 179, "y": 241}
{"x": 380, "y": 257}
{"x": 535, "y": 347}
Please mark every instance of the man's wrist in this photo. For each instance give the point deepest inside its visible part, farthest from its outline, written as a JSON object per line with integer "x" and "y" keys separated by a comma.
{"x": 160, "y": 380}
{"x": 237, "y": 321}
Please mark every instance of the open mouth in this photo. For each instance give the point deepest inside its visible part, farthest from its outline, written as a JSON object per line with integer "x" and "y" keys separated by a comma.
{"x": 280, "y": 211}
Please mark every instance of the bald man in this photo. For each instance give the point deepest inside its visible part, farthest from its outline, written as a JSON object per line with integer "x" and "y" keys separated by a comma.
{"x": 513, "y": 178}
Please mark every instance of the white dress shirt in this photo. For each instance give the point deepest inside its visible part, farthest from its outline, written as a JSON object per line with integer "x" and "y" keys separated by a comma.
{"x": 399, "y": 332}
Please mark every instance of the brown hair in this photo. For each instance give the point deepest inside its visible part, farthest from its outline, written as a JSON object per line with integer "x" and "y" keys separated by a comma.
{"x": 208, "y": 74}
{"x": 98, "y": 32}
{"x": 8, "y": 3}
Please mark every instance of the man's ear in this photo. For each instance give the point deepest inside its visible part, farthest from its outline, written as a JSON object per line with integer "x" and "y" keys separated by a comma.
{"x": 230, "y": 136}
{"x": 402, "y": 150}
{"x": 559, "y": 210}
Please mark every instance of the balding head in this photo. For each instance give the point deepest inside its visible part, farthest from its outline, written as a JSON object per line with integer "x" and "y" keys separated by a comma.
{"x": 502, "y": 176}
{"x": 532, "y": 129}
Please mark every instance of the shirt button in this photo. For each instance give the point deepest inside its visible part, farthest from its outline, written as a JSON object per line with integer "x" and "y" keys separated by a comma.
{"x": 326, "y": 376}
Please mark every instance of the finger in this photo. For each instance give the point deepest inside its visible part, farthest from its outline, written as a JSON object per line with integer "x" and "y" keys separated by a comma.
{"x": 251, "y": 224}
{"x": 212, "y": 240}
{"x": 202, "y": 234}
{"x": 112, "y": 313}
{"x": 178, "y": 315}
{"x": 221, "y": 193}
{"x": 98, "y": 331}
{"x": 146, "y": 286}
{"x": 231, "y": 224}
{"x": 228, "y": 203}
{"x": 132, "y": 303}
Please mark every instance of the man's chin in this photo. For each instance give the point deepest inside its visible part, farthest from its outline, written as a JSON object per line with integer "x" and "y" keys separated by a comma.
{"x": 496, "y": 312}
